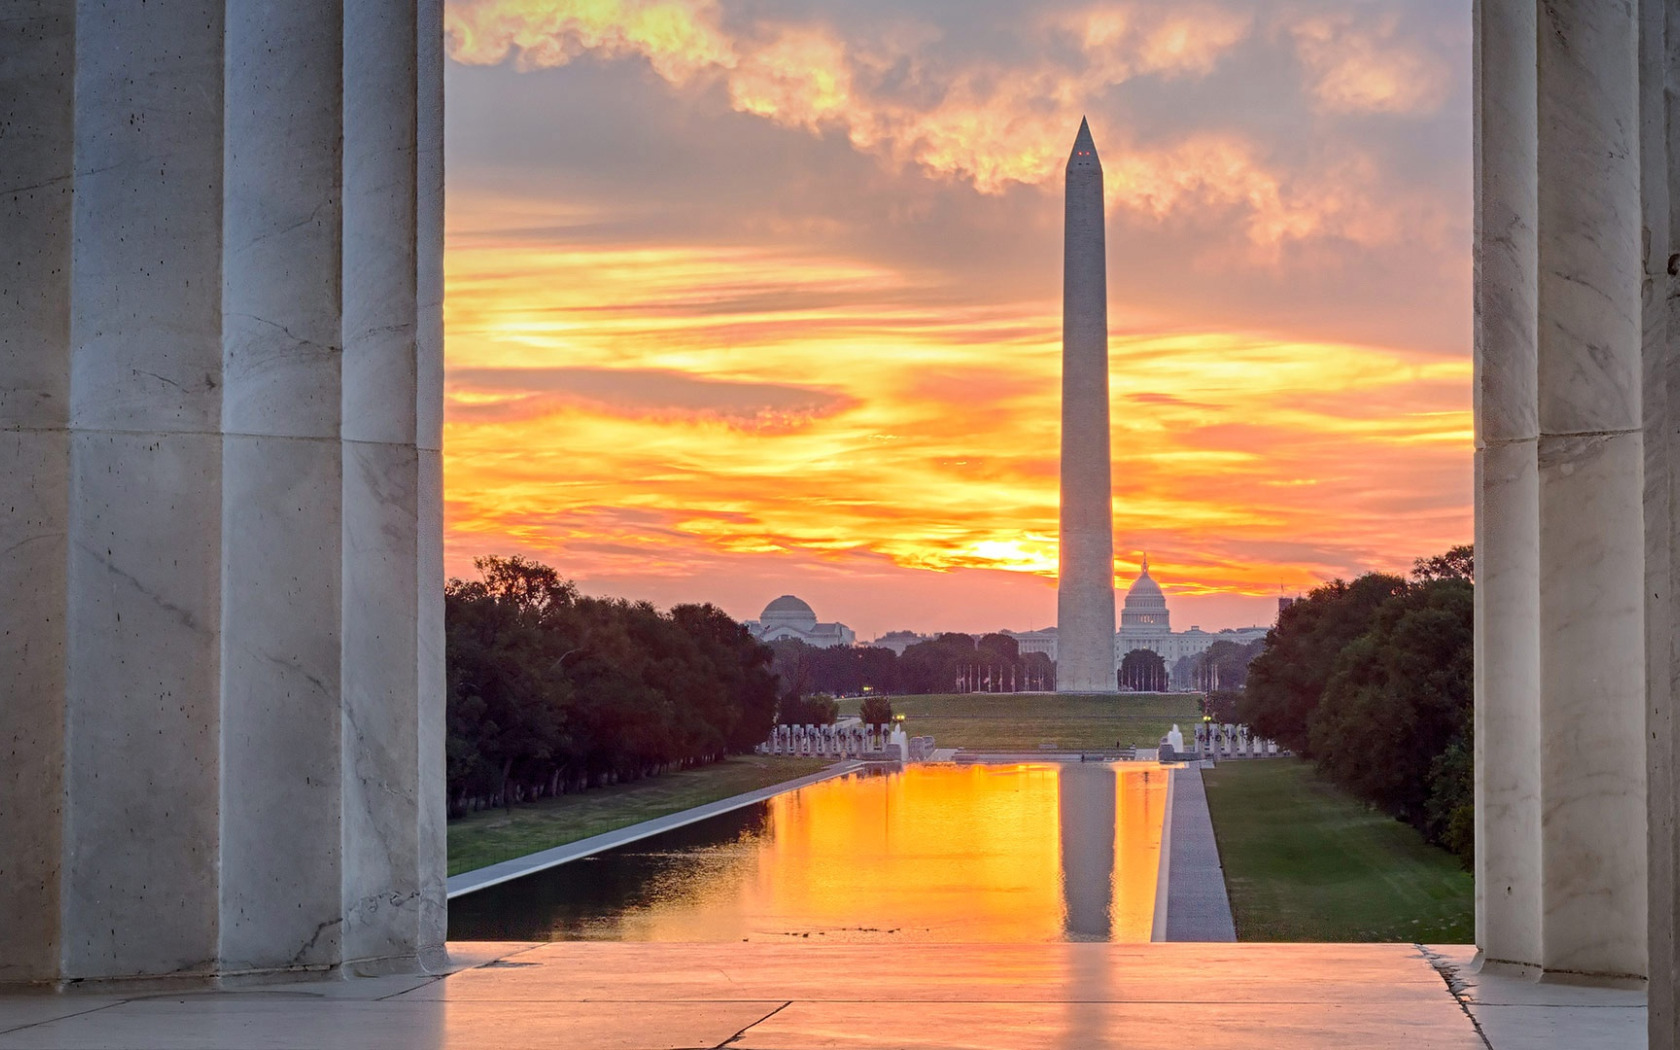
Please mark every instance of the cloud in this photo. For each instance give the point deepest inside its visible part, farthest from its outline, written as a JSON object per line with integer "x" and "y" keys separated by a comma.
{"x": 755, "y": 297}
{"x": 987, "y": 123}
{"x": 994, "y": 121}
{"x": 487, "y": 394}
{"x": 1366, "y": 65}
{"x": 679, "y": 38}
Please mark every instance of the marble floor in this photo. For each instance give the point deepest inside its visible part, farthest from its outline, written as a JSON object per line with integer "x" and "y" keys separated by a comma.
{"x": 595, "y": 996}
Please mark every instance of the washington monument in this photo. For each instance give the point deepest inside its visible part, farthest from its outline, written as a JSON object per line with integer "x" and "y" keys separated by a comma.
{"x": 1085, "y": 580}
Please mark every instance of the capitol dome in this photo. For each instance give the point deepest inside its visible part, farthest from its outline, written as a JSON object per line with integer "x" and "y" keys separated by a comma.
{"x": 1145, "y": 612}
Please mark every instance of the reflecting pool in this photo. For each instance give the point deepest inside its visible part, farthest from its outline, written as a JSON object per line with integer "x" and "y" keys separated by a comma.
{"x": 1032, "y": 852}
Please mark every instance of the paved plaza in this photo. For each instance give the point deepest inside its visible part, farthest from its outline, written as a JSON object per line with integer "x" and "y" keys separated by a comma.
{"x": 615, "y": 996}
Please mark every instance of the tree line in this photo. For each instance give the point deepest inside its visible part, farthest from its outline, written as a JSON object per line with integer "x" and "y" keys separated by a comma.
{"x": 552, "y": 691}
{"x": 950, "y": 662}
{"x": 1372, "y": 681}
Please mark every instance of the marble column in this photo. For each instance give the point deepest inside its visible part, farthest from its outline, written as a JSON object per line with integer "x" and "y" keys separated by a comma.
{"x": 391, "y": 487}
{"x": 281, "y": 482}
{"x": 142, "y": 785}
{"x": 1592, "y": 702}
{"x": 37, "y": 40}
{"x": 220, "y": 402}
{"x": 1507, "y": 538}
{"x": 1659, "y": 25}
{"x": 430, "y": 697}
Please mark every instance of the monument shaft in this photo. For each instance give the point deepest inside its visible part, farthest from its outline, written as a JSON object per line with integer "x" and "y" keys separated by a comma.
{"x": 1085, "y": 591}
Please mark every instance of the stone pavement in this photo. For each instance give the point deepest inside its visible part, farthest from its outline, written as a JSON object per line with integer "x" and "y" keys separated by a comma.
{"x": 1197, "y": 908}
{"x": 600, "y": 996}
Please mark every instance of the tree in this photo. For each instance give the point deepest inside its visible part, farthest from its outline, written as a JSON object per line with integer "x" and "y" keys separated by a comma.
{"x": 549, "y": 690}
{"x": 1373, "y": 680}
{"x": 1458, "y": 563}
{"x": 1223, "y": 665}
{"x": 1221, "y": 705}
{"x": 1398, "y": 697}
{"x": 1143, "y": 670}
{"x": 935, "y": 665}
{"x": 1287, "y": 680}
{"x": 876, "y": 711}
{"x": 819, "y": 709}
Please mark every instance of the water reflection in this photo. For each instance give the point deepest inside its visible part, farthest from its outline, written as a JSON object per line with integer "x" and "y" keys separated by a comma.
{"x": 1037, "y": 852}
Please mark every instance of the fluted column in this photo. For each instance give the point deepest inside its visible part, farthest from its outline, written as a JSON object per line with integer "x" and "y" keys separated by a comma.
{"x": 142, "y": 835}
{"x": 1592, "y": 699}
{"x": 281, "y": 486}
{"x": 392, "y": 909}
{"x": 1507, "y": 642}
{"x": 433, "y": 814}
{"x": 1660, "y": 24}
{"x": 37, "y": 38}
{"x": 222, "y": 659}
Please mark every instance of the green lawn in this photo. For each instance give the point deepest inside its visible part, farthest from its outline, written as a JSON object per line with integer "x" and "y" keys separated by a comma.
{"x": 481, "y": 839}
{"x": 1305, "y": 862}
{"x": 1022, "y": 721}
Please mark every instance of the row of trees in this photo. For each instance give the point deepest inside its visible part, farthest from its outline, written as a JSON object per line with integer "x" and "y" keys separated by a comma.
{"x": 1221, "y": 667}
{"x": 991, "y": 662}
{"x": 1371, "y": 680}
{"x": 551, "y": 691}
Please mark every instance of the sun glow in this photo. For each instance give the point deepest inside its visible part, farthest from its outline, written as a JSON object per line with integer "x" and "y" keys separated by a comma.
{"x": 744, "y": 401}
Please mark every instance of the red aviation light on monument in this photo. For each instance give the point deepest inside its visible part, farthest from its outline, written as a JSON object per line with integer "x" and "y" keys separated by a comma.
{"x": 1085, "y": 581}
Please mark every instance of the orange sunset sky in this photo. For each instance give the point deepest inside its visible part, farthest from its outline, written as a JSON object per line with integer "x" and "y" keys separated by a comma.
{"x": 748, "y": 297}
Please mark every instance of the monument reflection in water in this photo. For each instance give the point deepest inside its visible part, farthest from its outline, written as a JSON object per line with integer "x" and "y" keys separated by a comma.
{"x": 1039, "y": 852}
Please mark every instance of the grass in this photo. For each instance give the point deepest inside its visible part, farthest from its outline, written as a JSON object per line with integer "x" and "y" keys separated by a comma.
{"x": 1306, "y": 862}
{"x": 1023, "y": 721}
{"x": 489, "y": 837}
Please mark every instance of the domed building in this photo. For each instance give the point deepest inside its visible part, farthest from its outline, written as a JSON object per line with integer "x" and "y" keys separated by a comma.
{"x": 790, "y": 617}
{"x": 1145, "y": 624}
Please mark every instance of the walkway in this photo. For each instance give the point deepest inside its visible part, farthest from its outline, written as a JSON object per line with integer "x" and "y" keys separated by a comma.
{"x": 1197, "y": 907}
{"x": 593, "y": 996}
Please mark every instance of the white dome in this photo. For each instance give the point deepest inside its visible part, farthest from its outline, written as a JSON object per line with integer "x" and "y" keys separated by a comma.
{"x": 790, "y": 611}
{"x": 1145, "y": 612}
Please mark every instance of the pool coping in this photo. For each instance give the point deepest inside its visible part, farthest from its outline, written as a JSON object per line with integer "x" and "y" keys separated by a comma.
{"x": 508, "y": 870}
{"x": 1163, "y": 872}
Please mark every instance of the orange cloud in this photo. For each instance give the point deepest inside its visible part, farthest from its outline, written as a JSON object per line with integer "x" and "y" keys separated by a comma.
{"x": 1361, "y": 65}
{"x": 648, "y": 409}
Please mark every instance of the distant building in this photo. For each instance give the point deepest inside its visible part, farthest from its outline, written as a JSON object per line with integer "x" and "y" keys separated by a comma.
{"x": 1043, "y": 641}
{"x": 898, "y": 641}
{"x": 789, "y": 617}
{"x": 1145, "y": 623}
{"x": 1284, "y": 603}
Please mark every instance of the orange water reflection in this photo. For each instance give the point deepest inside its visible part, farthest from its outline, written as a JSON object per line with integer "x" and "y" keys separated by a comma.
{"x": 1030, "y": 852}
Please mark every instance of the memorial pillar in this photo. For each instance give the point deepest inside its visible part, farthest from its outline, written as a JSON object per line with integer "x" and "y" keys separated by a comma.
{"x": 143, "y": 719}
{"x": 1660, "y": 382}
{"x": 391, "y": 485}
{"x": 37, "y": 91}
{"x": 281, "y": 485}
{"x": 1592, "y": 702}
{"x": 1507, "y": 633}
{"x": 222, "y": 657}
